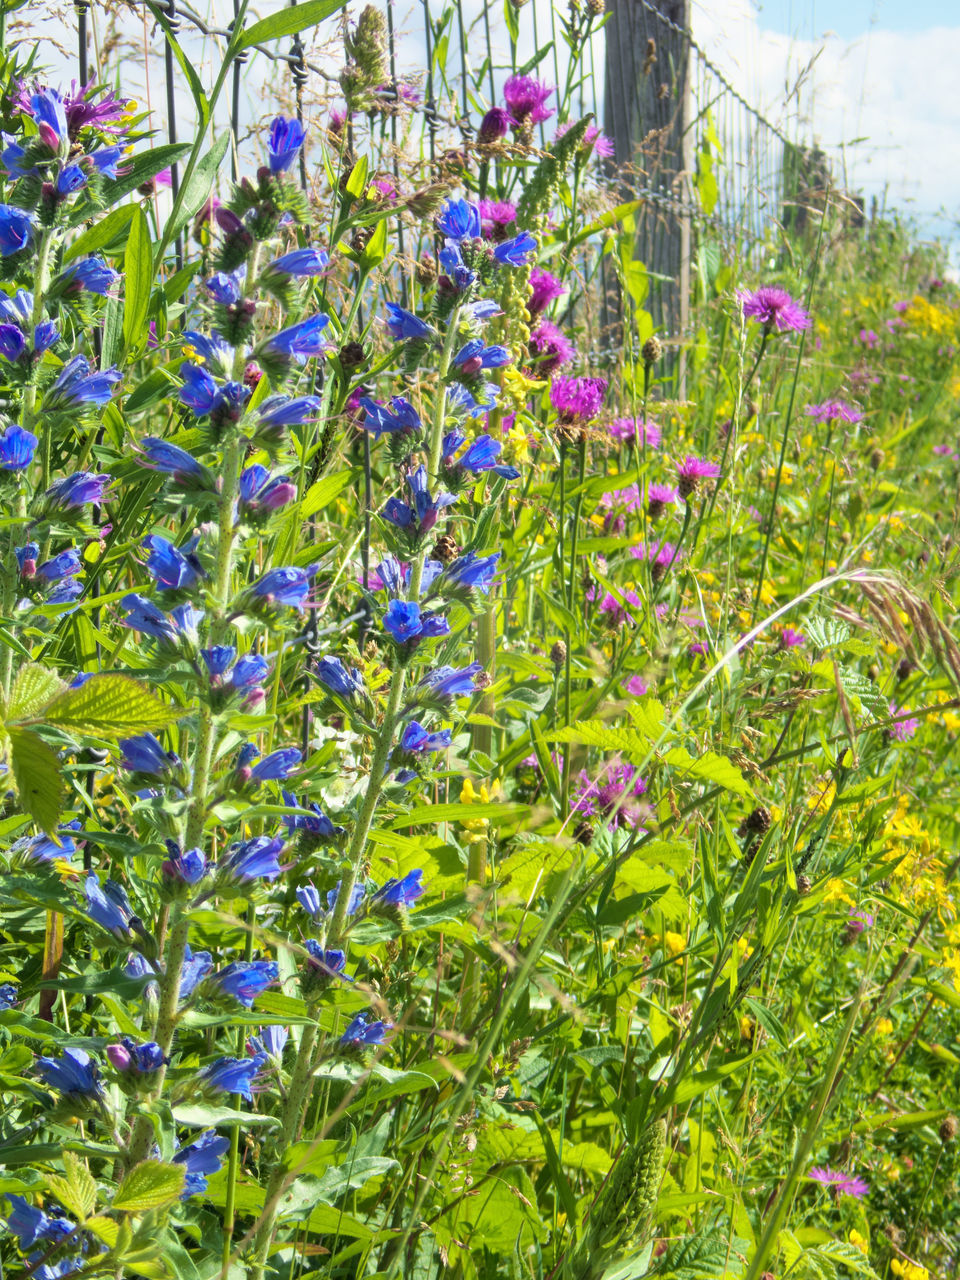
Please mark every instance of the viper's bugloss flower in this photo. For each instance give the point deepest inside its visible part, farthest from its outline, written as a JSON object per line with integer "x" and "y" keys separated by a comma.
{"x": 284, "y": 586}
{"x": 405, "y": 326}
{"x": 515, "y": 252}
{"x": 526, "y": 99}
{"x": 299, "y": 342}
{"x": 309, "y": 898}
{"x": 17, "y": 447}
{"x": 833, "y": 411}
{"x": 636, "y": 431}
{"x": 361, "y": 1032}
{"x": 78, "y": 385}
{"x": 425, "y": 510}
{"x": 474, "y": 356}
{"x": 211, "y": 349}
{"x": 77, "y": 490}
{"x": 64, "y": 565}
{"x": 91, "y": 274}
{"x": 75, "y": 1073}
{"x": 109, "y": 906}
{"x": 8, "y": 996}
{"x": 278, "y": 764}
{"x": 300, "y": 263}
{"x": 143, "y": 615}
{"x": 202, "y": 1159}
{"x": 402, "y": 892}
{"x": 232, "y": 1075}
{"x": 613, "y": 797}
{"x": 43, "y": 848}
{"x": 142, "y": 1058}
{"x": 845, "y": 1183}
{"x": 16, "y": 229}
{"x": 404, "y": 621}
{"x": 27, "y": 559}
{"x": 272, "y": 1039}
{"x": 446, "y": 683}
{"x": 691, "y": 471}
{"x": 577, "y": 400}
{"x": 161, "y": 455}
{"x": 47, "y": 108}
{"x": 482, "y": 455}
{"x": 195, "y": 969}
{"x": 261, "y": 492}
{"x": 45, "y": 335}
{"x": 278, "y": 412}
{"x": 416, "y": 739}
{"x": 494, "y": 126}
{"x": 329, "y": 960}
{"x": 550, "y": 348}
{"x": 341, "y": 680}
{"x": 774, "y": 308}
{"x": 187, "y": 868}
{"x": 29, "y": 1224}
{"x": 315, "y": 823}
{"x": 170, "y": 567}
{"x": 107, "y": 160}
{"x": 286, "y": 139}
{"x": 144, "y": 754}
{"x": 254, "y": 859}
{"x": 226, "y": 287}
{"x": 18, "y": 309}
{"x": 471, "y": 571}
{"x": 401, "y": 416}
{"x": 201, "y": 394}
{"x": 244, "y": 980}
{"x": 357, "y": 894}
{"x": 459, "y": 220}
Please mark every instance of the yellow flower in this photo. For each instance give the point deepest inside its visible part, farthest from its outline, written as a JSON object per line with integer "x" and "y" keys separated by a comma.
{"x": 674, "y": 942}
{"x": 476, "y": 828}
{"x": 746, "y": 1028}
{"x": 837, "y": 892}
{"x": 858, "y": 1241}
{"x": 882, "y": 1027}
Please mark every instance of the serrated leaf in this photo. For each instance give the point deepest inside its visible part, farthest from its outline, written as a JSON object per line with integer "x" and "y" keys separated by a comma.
{"x": 36, "y": 771}
{"x": 109, "y": 707}
{"x": 66, "y": 1193}
{"x": 104, "y": 1229}
{"x": 709, "y": 767}
{"x": 150, "y": 1185}
{"x": 33, "y": 688}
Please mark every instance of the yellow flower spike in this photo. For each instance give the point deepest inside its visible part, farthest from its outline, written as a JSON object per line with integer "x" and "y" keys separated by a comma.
{"x": 882, "y": 1027}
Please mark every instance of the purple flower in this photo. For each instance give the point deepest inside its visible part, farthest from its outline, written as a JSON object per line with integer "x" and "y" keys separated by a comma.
{"x": 316, "y": 824}
{"x": 43, "y": 848}
{"x": 612, "y": 797}
{"x": 75, "y": 1073}
{"x": 405, "y": 326}
{"x": 142, "y": 615}
{"x": 202, "y": 1159}
{"x": 593, "y": 139}
{"x": 858, "y": 921}
{"x": 338, "y": 679}
{"x": 260, "y": 492}
{"x": 636, "y": 431}
{"x": 526, "y": 99}
{"x": 497, "y": 215}
{"x": 659, "y": 497}
{"x": 77, "y": 385}
{"x": 415, "y": 739}
{"x": 402, "y": 620}
{"x": 577, "y": 400}
{"x": 245, "y": 980}
{"x": 401, "y": 416}
{"x": 232, "y": 1075}
{"x": 83, "y": 108}
{"x": 943, "y": 450}
{"x": 774, "y": 309}
{"x": 544, "y": 289}
{"x": 550, "y": 348}
{"x": 17, "y": 448}
{"x": 834, "y": 411}
{"x": 12, "y": 342}
{"x": 300, "y": 263}
{"x": 459, "y": 221}
{"x": 309, "y": 899}
{"x": 299, "y": 342}
{"x": 446, "y": 683}
{"x": 362, "y": 1032}
{"x": 161, "y": 455}
{"x": 77, "y": 490}
{"x": 47, "y": 109}
{"x": 691, "y": 471}
{"x": 903, "y": 730}
{"x": 278, "y": 764}
{"x": 474, "y": 356}
{"x": 494, "y": 126}
{"x": 425, "y": 510}
{"x": 790, "y": 639}
{"x": 286, "y": 139}
{"x": 845, "y": 1183}
{"x": 142, "y": 1058}
{"x": 144, "y": 754}
{"x": 171, "y": 568}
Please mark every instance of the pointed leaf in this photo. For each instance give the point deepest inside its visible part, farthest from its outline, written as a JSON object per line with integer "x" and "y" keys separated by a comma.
{"x": 289, "y": 21}
{"x": 150, "y": 1185}
{"x": 36, "y": 771}
{"x": 33, "y": 688}
{"x": 138, "y": 278}
{"x": 109, "y": 707}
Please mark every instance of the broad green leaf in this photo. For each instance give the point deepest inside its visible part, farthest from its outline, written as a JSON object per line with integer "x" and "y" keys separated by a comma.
{"x": 33, "y": 688}
{"x": 496, "y": 814}
{"x": 109, "y": 706}
{"x": 323, "y": 492}
{"x": 104, "y": 1229}
{"x": 375, "y": 249}
{"x": 138, "y": 280}
{"x": 357, "y": 182}
{"x": 103, "y": 231}
{"x": 36, "y": 771}
{"x": 200, "y": 1116}
{"x": 150, "y": 1185}
{"x": 709, "y": 767}
{"x": 288, "y": 22}
{"x": 136, "y": 171}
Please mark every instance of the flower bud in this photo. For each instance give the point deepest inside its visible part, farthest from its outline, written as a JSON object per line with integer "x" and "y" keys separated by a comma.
{"x": 119, "y": 1057}
{"x": 652, "y": 350}
{"x": 949, "y": 1128}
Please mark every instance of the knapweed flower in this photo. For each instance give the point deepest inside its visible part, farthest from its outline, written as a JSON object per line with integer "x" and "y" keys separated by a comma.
{"x": 858, "y": 922}
{"x": 613, "y": 797}
{"x": 834, "y": 411}
{"x": 642, "y": 432}
{"x": 944, "y": 450}
{"x": 345, "y": 682}
{"x": 593, "y": 139}
{"x": 232, "y": 1075}
{"x": 254, "y": 859}
{"x": 202, "y": 1159}
{"x": 691, "y": 471}
{"x": 774, "y": 308}
{"x": 404, "y": 326}
{"x": 577, "y": 400}
{"x": 903, "y": 730}
{"x": 544, "y": 289}
{"x": 283, "y": 147}
{"x": 16, "y": 229}
{"x": 362, "y": 1033}
{"x": 17, "y": 447}
{"x": 284, "y": 586}
{"x": 615, "y": 611}
{"x": 497, "y": 215}
{"x": 244, "y": 980}
{"x": 526, "y": 99}
{"x": 78, "y": 385}
{"x": 550, "y": 348}
{"x": 75, "y": 1073}
{"x": 845, "y": 1183}
{"x": 637, "y": 686}
{"x": 790, "y": 639}
{"x": 404, "y": 621}
{"x": 494, "y": 126}
{"x": 659, "y": 497}
{"x": 91, "y": 274}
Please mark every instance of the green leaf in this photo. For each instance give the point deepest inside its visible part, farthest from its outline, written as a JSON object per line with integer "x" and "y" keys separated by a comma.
{"x": 136, "y": 171}
{"x": 323, "y": 492}
{"x": 357, "y": 182}
{"x": 33, "y": 688}
{"x": 77, "y": 1191}
{"x": 375, "y": 249}
{"x": 709, "y": 767}
{"x": 199, "y": 186}
{"x": 109, "y": 706}
{"x": 692, "y": 1086}
{"x": 154, "y": 388}
{"x": 495, "y": 813}
{"x": 288, "y": 22}
{"x": 138, "y": 276}
{"x": 197, "y": 1116}
{"x": 150, "y": 1185}
{"x": 36, "y": 771}
{"x": 200, "y": 99}
{"x": 106, "y": 229}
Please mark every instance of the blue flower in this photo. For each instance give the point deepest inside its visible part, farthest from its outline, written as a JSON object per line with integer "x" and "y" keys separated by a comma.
{"x": 344, "y": 682}
{"x": 281, "y": 411}
{"x": 12, "y": 342}
{"x": 401, "y": 416}
{"x": 142, "y": 615}
{"x": 210, "y": 348}
{"x": 201, "y": 394}
{"x": 8, "y": 996}
{"x": 362, "y": 1032}
{"x": 357, "y": 894}
{"x": 144, "y": 754}
{"x": 142, "y": 1058}
{"x": 298, "y": 342}
{"x": 69, "y": 179}
{"x": 195, "y": 969}
{"x": 416, "y": 739}
{"x": 474, "y": 401}
{"x": 64, "y": 592}
{"x": 109, "y": 907}
{"x": 482, "y": 309}
{"x": 447, "y": 682}
{"x": 316, "y": 823}
{"x": 516, "y": 252}
{"x": 400, "y": 893}
{"x": 29, "y": 1224}
{"x": 17, "y": 448}
{"x": 245, "y": 980}
{"x": 277, "y": 765}
{"x": 46, "y": 106}
{"x": 249, "y": 670}
{"x": 405, "y": 622}
{"x": 16, "y": 229}
{"x": 12, "y": 155}
{"x": 188, "y": 868}
{"x": 77, "y": 490}
{"x": 329, "y": 960}
{"x": 460, "y": 220}
{"x": 300, "y": 263}
{"x": 427, "y": 507}
{"x": 286, "y": 139}
{"x": 482, "y": 454}
{"x": 476, "y": 356}
{"x": 171, "y": 568}
{"x": 285, "y": 586}
{"x": 309, "y": 898}
{"x": 202, "y": 1158}
{"x": 404, "y": 325}
{"x": 161, "y": 455}
{"x": 45, "y": 335}
{"x": 226, "y": 287}
{"x": 232, "y": 1075}
{"x": 253, "y": 860}
{"x": 65, "y": 565}
{"x": 459, "y": 274}
{"x": 17, "y": 309}
{"x": 470, "y": 571}
{"x": 91, "y": 274}
{"x": 77, "y": 385}
{"x": 261, "y": 492}
{"x": 74, "y": 1073}
{"x": 106, "y": 160}
{"x": 273, "y": 1039}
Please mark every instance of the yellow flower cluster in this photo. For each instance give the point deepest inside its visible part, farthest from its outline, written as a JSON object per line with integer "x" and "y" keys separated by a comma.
{"x": 907, "y": 1270}
{"x": 917, "y": 870}
{"x": 928, "y": 318}
{"x": 475, "y": 829}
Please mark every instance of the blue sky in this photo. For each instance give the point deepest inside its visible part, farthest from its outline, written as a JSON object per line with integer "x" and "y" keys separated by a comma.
{"x": 809, "y": 19}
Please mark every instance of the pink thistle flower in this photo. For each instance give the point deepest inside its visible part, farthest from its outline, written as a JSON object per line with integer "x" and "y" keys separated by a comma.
{"x": 869, "y": 337}
{"x": 636, "y": 431}
{"x": 858, "y": 921}
{"x": 699, "y": 648}
{"x": 774, "y": 309}
{"x": 790, "y": 639}
{"x": 637, "y": 686}
{"x": 544, "y": 286}
{"x": 691, "y": 471}
{"x": 943, "y": 451}
{"x": 551, "y": 348}
{"x": 386, "y": 187}
{"x": 526, "y": 98}
{"x": 613, "y": 797}
{"x": 903, "y": 305}
{"x": 845, "y": 1183}
{"x": 627, "y": 499}
{"x": 659, "y": 497}
{"x": 577, "y": 400}
{"x": 661, "y": 556}
{"x": 496, "y": 217}
{"x": 834, "y": 411}
{"x": 615, "y": 612}
{"x": 903, "y": 730}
